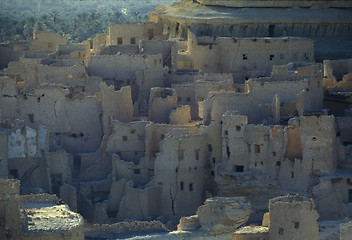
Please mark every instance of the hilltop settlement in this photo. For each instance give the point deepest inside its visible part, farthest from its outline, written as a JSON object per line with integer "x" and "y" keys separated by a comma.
{"x": 214, "y": 120}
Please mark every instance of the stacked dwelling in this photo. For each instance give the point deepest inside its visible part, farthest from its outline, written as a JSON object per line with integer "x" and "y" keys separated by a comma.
{"x": 138, "y": 125}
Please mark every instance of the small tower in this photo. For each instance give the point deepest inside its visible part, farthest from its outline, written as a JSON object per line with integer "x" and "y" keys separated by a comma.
{"x": 293, "y": 217}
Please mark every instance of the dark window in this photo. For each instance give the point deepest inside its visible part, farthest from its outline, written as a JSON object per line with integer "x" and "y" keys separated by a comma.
{"x": 296, "y": 224}
{"x": 257, "y": 148}
{"x": 197, "y": 154}
{"x": 292, "y": 174}
{"x": 271, "y": 30}
{"x": 137, "y": 171}
{"x": 278, "y": 163}
{"x": 244, "y": 56}
{"x": 306, "y": 56}
{"x": 150, "y": 34}
{"x": 350, "y": 195}
{"x": 239, "y": 168}
{"x": 281, "y": 231}
{"x": 282, "y": 56}
{"x": 190, "y": 187}
{"x": 212, "y": 173}
{"x": 188, "y": 99}
{"x": 162, "y": 136}
{"x": 210, "y": 148}
{"x": 31, "y": 118}
{"x": 181, "y": 186}
{"x": 119, "y": 41}
{"x": 133, "y": 131}
{"x": 214, "y": 160}
{"x": 133, "y": 40}
{"x": 200, "y": 99}
{"x": 13, "y": 173}
{"x": 238, "y": 128}
{"x": 272, "y": 57}
{"x": 226, "y": 133}
{"x": 179, "y": 99}
{"x": 228, "y": 151}
{"x": 124, "y": 138}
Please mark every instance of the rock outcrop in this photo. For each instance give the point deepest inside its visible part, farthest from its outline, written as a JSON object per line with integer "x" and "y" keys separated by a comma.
{"x": 218, "y": 215}
{"x": 251, "y": 233}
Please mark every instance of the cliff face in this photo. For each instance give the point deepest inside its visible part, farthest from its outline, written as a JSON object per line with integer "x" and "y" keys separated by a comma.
{"x": 282, "y": 3}
{"x": 329, "y": 26}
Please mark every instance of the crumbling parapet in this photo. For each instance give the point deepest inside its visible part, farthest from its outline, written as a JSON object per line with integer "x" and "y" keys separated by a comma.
{"x": 146, "y": 80}
{"x": 116, "y": 105}
{"x": 338, "y": 75}
{"x": 161, "y": 102}
{"x": 98, "y": 41}
{"x": 47, "y": 41}
{"x": 180, "y": 115}
{"x": 256, "y": 103}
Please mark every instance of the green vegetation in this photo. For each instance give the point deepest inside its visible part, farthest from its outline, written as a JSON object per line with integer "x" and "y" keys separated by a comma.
{"x": 77, "y": 19}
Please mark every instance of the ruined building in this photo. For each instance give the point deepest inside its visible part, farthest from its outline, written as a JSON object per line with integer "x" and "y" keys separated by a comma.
{"x": 204, "y": 123}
